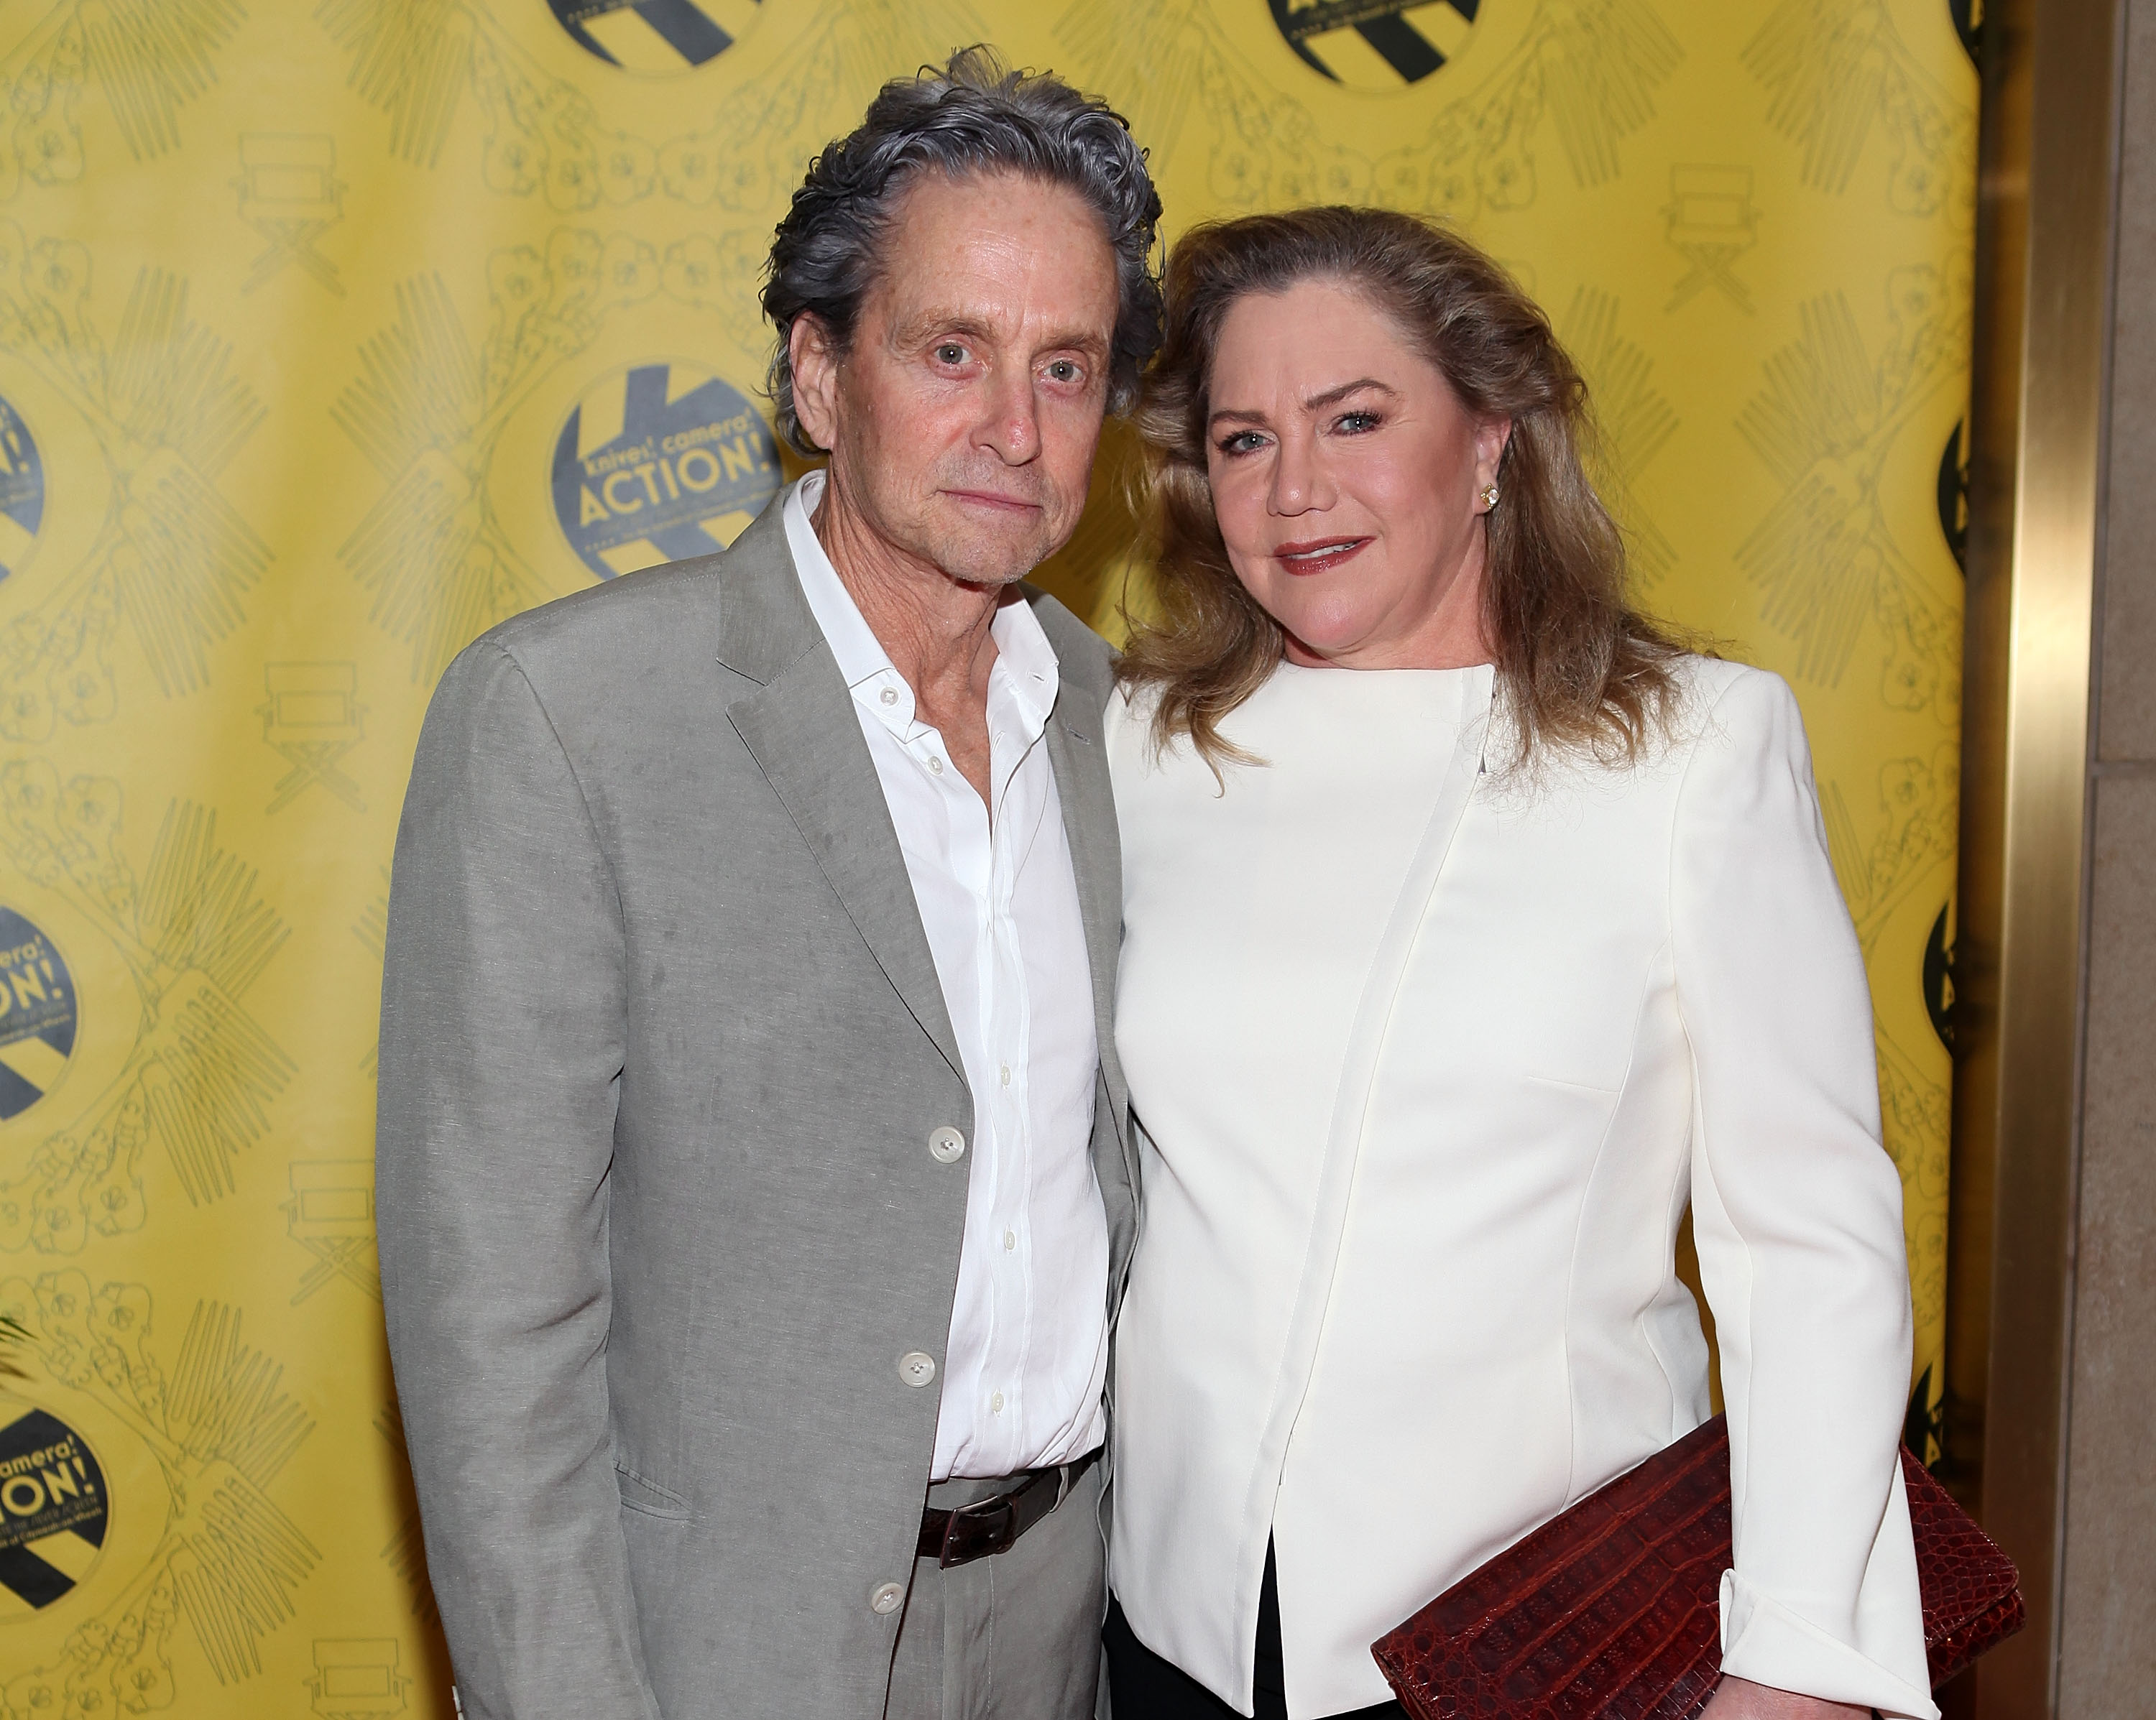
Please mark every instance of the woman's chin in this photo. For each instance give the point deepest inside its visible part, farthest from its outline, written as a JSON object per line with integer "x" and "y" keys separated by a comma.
{"x": 1326, "y": 638}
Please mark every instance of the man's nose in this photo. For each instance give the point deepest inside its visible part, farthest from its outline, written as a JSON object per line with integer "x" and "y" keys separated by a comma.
{"x": 1011, "y": 421}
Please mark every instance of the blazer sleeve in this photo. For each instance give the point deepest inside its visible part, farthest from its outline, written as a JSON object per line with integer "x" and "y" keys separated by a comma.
{"x": 502, "y": 1033}
{"x": 1797, "y": 1212}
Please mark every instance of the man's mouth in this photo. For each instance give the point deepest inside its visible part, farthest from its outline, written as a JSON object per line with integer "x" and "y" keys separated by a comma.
{"x": 994, "y": 499}
{"x": 1317, "y": 554}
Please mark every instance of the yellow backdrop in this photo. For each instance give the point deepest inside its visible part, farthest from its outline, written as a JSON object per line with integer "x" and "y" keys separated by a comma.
{"x": 331, "y": 333}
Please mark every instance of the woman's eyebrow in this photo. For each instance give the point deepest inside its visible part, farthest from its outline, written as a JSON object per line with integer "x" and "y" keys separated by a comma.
{"x": 1333, "y": 397}
{"x": 1316, "y": 402}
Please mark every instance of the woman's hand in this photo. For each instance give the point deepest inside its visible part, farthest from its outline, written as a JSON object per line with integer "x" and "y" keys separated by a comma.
{"x": 1741, "y": 1699}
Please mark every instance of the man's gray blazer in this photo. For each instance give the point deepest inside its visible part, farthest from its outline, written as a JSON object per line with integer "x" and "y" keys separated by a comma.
{"x": 662, "y": 1050}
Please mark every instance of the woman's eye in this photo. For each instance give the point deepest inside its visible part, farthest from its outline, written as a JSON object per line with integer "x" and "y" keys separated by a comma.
{"x": 1241, "y": 442}
{"x": 1355, "y": 423}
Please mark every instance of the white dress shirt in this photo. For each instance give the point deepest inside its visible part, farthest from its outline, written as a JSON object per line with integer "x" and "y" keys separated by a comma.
{"x": 1428, "y": 1065}
{"x": 1027, "y": 1360}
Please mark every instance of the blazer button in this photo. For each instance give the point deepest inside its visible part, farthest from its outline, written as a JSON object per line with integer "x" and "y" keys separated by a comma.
{"x": 915, "y": 1369}
{"x": 947, "y": 1146}
{"x": 885, "y": 1597}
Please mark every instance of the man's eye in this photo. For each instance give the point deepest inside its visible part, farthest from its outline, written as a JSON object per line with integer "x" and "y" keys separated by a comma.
{"x": 951, "y": 352}
{"x": 1063, "y": 370}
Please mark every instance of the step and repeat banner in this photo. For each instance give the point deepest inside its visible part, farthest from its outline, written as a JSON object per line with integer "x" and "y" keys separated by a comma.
{"x": 332, "y": 333}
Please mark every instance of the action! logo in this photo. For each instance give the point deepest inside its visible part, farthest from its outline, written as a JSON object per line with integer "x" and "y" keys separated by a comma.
{"x": 659, "y": 462}
{"x": 656, "y": 36}
{"x": 38, "y": 1014}
{"x": 54, "y": 1509}
{"x": 21, "y": 490}
{"x": 1376, "y": 44}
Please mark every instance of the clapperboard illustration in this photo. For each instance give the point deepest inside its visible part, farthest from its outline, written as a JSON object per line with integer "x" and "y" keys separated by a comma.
{"x": 1376, "y": 44}
{"x": 656, "y": 36}
{"x": 53, "y": 1509}
{"x": 38, "y": 1014}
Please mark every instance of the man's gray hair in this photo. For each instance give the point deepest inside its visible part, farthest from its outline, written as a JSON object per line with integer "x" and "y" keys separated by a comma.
{"x": 972, "y": 117}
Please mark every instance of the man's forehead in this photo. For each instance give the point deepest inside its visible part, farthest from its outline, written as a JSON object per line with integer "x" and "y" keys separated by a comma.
{"x": 926, "y": 189}
{"x": 981, "y": 275}
{"x": 939, "y": 222}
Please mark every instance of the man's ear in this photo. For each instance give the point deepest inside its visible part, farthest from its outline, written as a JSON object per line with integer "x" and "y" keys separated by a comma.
{"x": 815, "y": 357}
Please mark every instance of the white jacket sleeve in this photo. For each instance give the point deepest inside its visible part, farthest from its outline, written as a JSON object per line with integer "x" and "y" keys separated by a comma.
{"x": 1797, "y": 1211}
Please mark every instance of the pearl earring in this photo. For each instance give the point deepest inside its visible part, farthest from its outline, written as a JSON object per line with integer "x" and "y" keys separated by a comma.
{"x": 1490, "y": 497}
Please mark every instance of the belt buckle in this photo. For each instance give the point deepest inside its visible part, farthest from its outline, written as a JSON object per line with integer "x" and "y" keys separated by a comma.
{"x": 980, "y": 1511}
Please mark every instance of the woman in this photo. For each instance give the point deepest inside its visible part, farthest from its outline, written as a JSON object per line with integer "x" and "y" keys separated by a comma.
{"x": 1472, "y": 930}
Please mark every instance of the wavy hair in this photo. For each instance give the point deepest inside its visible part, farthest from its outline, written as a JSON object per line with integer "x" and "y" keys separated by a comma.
{"x": 971, "y": 116}
{"x": 1579, "y": 670}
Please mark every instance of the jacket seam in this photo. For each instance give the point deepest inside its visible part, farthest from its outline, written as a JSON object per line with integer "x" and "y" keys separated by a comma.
{"x": 1579, "y": 1231}
{"x": 584, "y": 798}
{"x": 1699, "y": 1142}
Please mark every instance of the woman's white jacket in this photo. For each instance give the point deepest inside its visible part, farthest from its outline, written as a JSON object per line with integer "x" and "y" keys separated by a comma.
{"x": 1398, "y": 1338}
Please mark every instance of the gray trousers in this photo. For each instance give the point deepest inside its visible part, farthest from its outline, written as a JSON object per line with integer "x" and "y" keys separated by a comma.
{"x": 1014, "y": 1636}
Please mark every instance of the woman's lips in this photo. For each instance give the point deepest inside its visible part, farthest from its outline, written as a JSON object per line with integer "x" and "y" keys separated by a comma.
{"x": 1318, "y": 554}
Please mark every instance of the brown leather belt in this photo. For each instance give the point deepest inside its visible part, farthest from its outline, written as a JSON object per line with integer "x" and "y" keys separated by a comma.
{"x": 990, "y": 1526}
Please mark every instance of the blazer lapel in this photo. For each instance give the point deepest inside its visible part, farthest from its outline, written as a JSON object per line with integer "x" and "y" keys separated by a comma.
{"x": 1080, "y": 760}
{"x": 800, "y": 727}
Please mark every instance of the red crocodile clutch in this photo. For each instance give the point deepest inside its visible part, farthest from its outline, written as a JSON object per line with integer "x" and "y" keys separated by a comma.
{"x": 1611, "y": 1610}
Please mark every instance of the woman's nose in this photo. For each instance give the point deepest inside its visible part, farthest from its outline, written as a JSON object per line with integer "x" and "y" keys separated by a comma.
{"x": 1299, "y": 485}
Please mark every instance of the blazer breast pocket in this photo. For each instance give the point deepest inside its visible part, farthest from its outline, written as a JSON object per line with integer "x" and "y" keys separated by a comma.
{"x": 647, "y": 1498}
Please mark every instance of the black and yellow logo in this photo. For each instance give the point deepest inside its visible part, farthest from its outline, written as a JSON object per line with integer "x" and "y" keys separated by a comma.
{"x": 38, "y": 1014}
{"x": 656, "y": 36}
{"x": 1376, "y": 44}
{"x": 54, "y": 1509}
{"x": 21, "y": 490}
{"x": 659, "y": 462}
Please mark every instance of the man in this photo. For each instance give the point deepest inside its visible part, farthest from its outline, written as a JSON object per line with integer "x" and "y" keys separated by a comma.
{"x": 753, "y": 1197}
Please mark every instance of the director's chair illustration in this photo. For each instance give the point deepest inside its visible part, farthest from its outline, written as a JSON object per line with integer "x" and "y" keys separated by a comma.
{"x": 289, "y": 193}
{"x": 1711, "y": 224}
{"x": 314, "y": 719}
{"x": 331, "y": 1215}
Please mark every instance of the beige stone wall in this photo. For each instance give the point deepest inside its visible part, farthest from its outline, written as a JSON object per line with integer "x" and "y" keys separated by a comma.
{"x": 2108, "y": 1598}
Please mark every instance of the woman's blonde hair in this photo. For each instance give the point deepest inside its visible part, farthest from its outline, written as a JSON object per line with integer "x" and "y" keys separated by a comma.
{"x": 1579, "y": 669}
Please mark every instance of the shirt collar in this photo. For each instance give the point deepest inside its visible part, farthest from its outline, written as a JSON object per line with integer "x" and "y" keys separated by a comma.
{"x": 1025, "y": 669}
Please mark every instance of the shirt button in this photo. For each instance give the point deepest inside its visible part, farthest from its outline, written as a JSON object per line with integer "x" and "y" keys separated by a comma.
{"x": 947, "y": 1146}
{"x": 916, "y": 1368}
{"x": 885, "y": 1597}
{"x": 1010, "y": 1240}
{"x": 935, "y": 764}
{"x": 889, "y": 695}
{"x": 1006, "y": 1074}
{"x": 996, "y": 1403}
